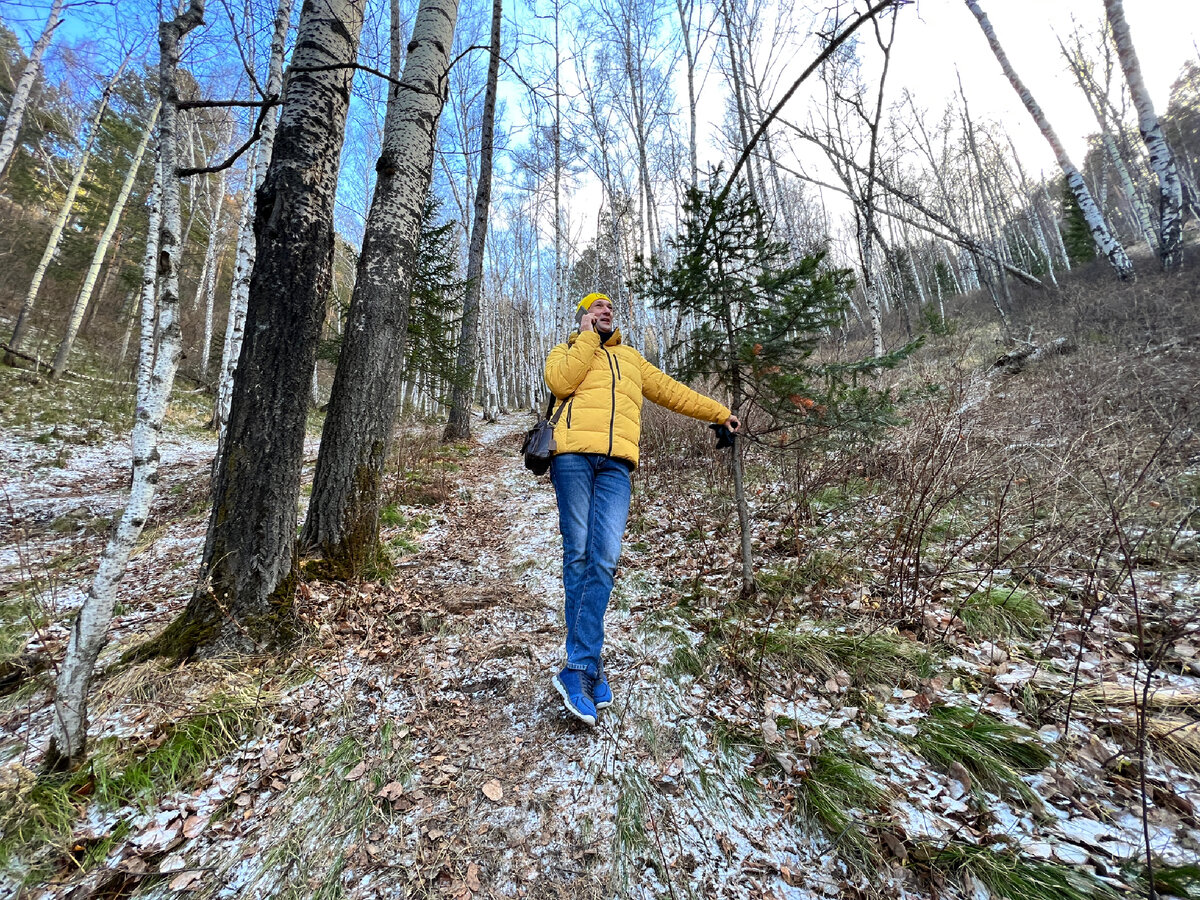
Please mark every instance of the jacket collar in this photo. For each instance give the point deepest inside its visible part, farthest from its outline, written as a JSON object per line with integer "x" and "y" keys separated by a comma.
{"x": 611, "y": 342}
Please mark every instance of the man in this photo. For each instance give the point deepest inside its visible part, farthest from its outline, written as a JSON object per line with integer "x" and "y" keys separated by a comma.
{"x": 602, "y": 383}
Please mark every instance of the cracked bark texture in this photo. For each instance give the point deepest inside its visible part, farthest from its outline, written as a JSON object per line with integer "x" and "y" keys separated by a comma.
{"x": 343, "y": 515}
{"x": 235, "y": 322}
{"x": 243, "y": 599}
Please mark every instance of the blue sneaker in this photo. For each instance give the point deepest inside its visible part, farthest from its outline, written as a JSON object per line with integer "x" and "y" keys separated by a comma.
{"x": 573, "y": 686}
{"x": 601, "y": 692}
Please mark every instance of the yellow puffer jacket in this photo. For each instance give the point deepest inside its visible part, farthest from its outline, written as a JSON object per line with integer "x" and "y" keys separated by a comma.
{"x": 606, "y": 385}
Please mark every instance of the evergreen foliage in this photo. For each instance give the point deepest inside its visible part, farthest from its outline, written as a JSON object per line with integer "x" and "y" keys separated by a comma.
{"x": 435, "y": 307}
{"x": 1077, "y": 236}
{"x": 759, "y": 313}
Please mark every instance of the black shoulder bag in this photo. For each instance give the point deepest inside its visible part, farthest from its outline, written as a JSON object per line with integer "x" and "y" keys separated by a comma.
{"x": 538, "y": 446}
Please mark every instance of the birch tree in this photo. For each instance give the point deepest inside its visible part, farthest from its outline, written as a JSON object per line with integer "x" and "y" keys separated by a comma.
{"x": 256, "y": 174}
{"x": 207, "y": 285}
{"x": 1098, "y": 100}
{"x": 458, "y": 428}
{"x": 1107, "y": 244}
{"x": 20, "y": 98}
{"x": 60, "y": 221}
{"x": 93, "y": 272}
{"x": 343, "y": 514}
{"x": 161, "y": 342}
{"x": 1162, "y": 160}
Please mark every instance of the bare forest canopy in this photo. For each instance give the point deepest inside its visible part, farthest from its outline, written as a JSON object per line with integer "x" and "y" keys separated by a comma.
{"x": 601, "y": 124}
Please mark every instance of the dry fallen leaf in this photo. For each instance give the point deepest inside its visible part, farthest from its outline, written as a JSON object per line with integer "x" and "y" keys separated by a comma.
{"x": 186, "y": 881}
{"x": 357, "y": 772}
{"x": 770, "y": 730}
{"x": 492, "y": 790}
{"x": 172, "y": 863}
{"x": 391, "y": 791}
{"x": 895, "y": 845}
{"x": 473, "y": 878}
{"x": 194, "y": 825}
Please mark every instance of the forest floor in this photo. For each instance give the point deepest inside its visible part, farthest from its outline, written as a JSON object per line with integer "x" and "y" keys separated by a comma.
{"x": 1009, "y": 730}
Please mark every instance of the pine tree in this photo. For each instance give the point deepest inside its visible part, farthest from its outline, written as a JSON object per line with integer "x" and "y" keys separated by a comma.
{"x": 1077, "y": 236}
{"x": 436, "y": 301}
{"x": 759, "y": 312}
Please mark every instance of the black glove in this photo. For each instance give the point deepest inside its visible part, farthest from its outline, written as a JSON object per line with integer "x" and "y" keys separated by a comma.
{"x": 725, "y": 437}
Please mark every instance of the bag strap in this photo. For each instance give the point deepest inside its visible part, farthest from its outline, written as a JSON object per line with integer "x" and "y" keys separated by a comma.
{"x": 557, "y": 415}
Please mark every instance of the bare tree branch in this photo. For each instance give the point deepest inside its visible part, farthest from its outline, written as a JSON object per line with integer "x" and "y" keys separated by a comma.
{"x": 205, "y": 170}
{"x": 821, "y": 57}
{"x": 207, "y": 104}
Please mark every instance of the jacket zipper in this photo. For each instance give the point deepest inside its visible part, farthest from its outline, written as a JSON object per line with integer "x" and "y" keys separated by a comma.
{"x": 612, "y": 420}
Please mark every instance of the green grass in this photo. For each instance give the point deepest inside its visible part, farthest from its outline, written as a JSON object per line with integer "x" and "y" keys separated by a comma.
{"x": 882, "y": 657}
{"x": 994, "y": 753}
{"x": 404, "y": 543}
{"x": 19, "y": 618}
{"x": 691, "y": 660}
{"x": 631, "y": 848}
{"x": 818, "y": 569}
{"x": 833, "y": 789}
{"x": 1009, "y": 877}
{"x": 837, "y": 793}
{"x": 38, "y": 816}
{"x": 189, "y": 747}
{"x": 1174, "y": 881}
{"x": 1002, "y": 612}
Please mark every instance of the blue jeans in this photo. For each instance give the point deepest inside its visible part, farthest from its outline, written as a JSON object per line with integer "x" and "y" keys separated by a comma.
{"x": 593, "y": 503}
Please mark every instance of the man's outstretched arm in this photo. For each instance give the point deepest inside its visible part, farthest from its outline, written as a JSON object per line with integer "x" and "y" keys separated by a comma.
{"x": 664, "y": 390}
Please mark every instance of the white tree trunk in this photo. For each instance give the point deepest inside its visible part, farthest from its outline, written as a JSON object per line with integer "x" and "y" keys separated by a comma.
{"x": 20, "y": 98}
{"x": 64, "y": 215}
{"x": 1106, "y": 243}
{"x": 1161, "y": 158}
{"x": 93, "y": 272}
{"x": 208, "y": 283}
{"x": 160, "y": 350}
{"x": 240, "y": 294}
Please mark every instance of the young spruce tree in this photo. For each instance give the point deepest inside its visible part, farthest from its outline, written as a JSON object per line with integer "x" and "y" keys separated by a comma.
{"x": 759, "y": 312}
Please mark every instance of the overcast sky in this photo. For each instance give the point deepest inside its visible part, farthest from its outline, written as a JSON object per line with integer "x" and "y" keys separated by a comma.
{"x": 936, "y": 36}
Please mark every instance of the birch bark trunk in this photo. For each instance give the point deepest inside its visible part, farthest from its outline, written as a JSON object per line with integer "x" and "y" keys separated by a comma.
{"x": 93, "y": 272}
{"x": 1107, "y": 244}
{"x": 19, "y": 101}
{"x": 462, "y": 397}
{"x": 1161, "y": 158}
{"x": 243, "y": 601}
{"x": 1096, "y": 95}
{"x": 235, "y": 322}
{"x": 208, "y": 284}
{"x": 60, "y": 223}
{"x": 685, "y": 28}
{"x": 343, "y": 515}
{"x": 161, "y": 342}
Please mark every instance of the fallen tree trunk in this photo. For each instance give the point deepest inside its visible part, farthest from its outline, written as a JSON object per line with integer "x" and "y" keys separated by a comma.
{"x": 1018, "y": 359}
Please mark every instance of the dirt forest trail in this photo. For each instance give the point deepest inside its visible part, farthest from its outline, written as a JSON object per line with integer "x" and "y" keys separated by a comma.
{"x": 508, "y": 791}
{"x": 412, "y": 745}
